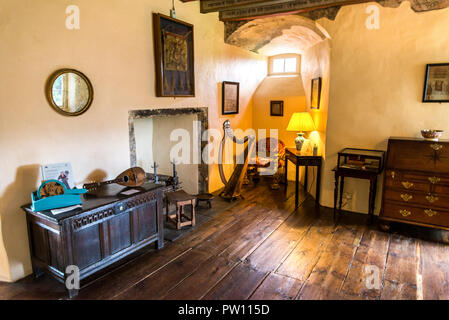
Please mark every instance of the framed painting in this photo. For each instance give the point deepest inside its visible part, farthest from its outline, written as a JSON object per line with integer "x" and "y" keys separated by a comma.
{"x": 316, "y": 93}
{"x": 174, "y": 57}
{"x": 230, "y": 97}
{"x": 436, "y": 86}
{"x": 277, "y": 108}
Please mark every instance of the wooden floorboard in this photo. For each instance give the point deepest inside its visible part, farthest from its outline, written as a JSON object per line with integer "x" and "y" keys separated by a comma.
{"x": 277, "y": 287}
{"x": 330, "y": 272}
{"x": 281, "y": 242}
{"x": 402, "y": 270}
{"x": 239, "y": 284}
{"x": 307, "y": 251}
{"x": 434, "y": 270}
{"x": 166, "y": 278}
{"x": 371, "y": 255}
{"x": 263, "y": 247}
{"x": 199, "y": 283}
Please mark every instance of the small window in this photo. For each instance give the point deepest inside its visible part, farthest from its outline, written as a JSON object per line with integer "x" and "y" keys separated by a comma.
{"x": 290, "y": 65}
{"x": 278, "y": 65}
{"x": 284, "y": 64}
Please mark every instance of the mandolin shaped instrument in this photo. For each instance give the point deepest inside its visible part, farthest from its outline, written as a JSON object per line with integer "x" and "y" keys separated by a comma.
{"x": 133, "y": 177}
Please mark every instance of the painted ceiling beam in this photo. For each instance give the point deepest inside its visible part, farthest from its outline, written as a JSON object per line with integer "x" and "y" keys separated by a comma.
{"x": 221, "y": 5}
{"x": 280, "y": 8}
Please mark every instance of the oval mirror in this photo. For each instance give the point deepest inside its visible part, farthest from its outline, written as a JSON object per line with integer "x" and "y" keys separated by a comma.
{"x": 69, "y": 92}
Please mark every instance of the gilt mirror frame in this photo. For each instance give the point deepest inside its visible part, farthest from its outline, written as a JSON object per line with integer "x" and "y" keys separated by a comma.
{"x": 49, "y": 91}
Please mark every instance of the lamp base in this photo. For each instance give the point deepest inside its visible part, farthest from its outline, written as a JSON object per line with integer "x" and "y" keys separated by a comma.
{"x": 299, "y": 141}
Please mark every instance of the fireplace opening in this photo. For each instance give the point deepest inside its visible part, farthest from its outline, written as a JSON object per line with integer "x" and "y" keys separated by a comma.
{"x": 156, "y": 136}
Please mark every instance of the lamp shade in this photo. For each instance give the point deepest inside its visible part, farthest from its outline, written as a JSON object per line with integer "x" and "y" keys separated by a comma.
{"x": 301, "y": 121}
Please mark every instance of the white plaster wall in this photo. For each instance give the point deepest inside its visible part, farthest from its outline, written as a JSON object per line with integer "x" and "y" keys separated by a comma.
{"x": 376, "y": 84}
{"x": 114, "y": 48}
{"x": 143, "y": 133}
{"x": 163, "y": 127}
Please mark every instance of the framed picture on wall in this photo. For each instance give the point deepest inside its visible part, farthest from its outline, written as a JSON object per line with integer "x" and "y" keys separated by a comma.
{"x": 436, "y": 87}
{"x": 230, "y": 97}
{"x": 277, "y": 108}
{"x": 173, "y": 51}
{"x": 316, "y": 93}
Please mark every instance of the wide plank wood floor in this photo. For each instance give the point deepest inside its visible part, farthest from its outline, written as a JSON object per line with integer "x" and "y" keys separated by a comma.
{"x": 262, "y": 248}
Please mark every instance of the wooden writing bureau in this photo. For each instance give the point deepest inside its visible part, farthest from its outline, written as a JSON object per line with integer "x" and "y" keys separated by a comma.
{"x": 109, "y": 228}
{"x": 416, "y": 184}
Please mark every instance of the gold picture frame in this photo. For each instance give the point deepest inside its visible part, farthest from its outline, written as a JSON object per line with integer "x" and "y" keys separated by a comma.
{"x": 174, "y": 57}
{"x": 436, "y": 85}
{"x": 315, "y": 98}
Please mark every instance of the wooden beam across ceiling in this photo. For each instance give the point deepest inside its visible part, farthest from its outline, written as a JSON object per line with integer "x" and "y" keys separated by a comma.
{"x": 280, "y": 7}
{"x": 222, "y": 5}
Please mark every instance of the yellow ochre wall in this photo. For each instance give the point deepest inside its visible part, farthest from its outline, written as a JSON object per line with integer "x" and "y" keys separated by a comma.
{"x": 286, "y": 88}
{"x": 375, "y": 78}
{"x": 376, "y": 84}
{"x": 114, "y": 48}
{"x": 316, "y": 63}
{"x": 295, "y": 91}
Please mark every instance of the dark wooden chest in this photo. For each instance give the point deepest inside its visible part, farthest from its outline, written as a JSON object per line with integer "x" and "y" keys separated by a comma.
{"x": 109, "y": 228}
{"x": 416, "y": 184}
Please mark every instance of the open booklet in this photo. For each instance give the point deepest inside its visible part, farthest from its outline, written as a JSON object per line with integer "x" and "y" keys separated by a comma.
{"x": 62, "y": 172}
{"x": 59, "y": 171}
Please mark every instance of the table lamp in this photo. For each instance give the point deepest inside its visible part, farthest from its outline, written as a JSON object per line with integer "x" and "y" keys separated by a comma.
{"x": 301, "y": 122}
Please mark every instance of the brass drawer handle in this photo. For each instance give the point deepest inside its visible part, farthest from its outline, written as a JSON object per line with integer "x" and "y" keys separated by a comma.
{"x": 430, "y": 212}
{"x": 431, "y": 198}
{"x": 406, "y": 197}
{"x": 434, "y": 180}
{"x": 405, "y": 213}
{"x": 407, "y": 185}
{"x": 436, "y": 146}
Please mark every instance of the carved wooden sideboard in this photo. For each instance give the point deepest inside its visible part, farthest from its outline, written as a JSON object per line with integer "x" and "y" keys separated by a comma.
{"x": 416, "y": 184}
{"x": 109, "y": 228}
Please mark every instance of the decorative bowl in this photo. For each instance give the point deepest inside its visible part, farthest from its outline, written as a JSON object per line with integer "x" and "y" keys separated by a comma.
{"x": 433, "y": 135}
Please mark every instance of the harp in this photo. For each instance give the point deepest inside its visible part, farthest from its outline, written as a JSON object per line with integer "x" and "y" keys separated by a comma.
{"x": 233, "y": 186}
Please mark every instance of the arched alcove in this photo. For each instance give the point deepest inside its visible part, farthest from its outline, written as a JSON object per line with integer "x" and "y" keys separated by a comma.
{"x": 279, "y": 34}
{"x": 291, "y": 34}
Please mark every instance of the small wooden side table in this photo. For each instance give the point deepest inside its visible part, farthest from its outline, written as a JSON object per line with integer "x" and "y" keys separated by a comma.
{"x": 181, "y": 199}
{"x": 300, "y": 159}
{"x": 341, "y": 173}
{"x": 205, "y": 197}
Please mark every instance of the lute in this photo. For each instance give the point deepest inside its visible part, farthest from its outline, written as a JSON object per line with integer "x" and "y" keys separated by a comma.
{"x": 133, "y": 177}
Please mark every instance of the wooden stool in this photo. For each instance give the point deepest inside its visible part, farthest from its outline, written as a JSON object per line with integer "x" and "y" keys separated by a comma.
{"x": 180, "y": 199}
{"x": 207, "y": 197}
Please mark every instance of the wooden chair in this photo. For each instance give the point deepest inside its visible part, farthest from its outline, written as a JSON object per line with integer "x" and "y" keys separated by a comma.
{"x": 181, "y": 199}
{"x": 268, "y": 151}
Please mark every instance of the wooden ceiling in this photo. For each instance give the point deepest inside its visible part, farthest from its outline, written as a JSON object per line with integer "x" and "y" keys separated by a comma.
{"x": 238, "y": 10}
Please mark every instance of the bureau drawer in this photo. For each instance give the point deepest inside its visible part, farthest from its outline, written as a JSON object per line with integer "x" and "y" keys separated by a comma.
{"x": 408, "y": 197}
{"x": 418, "y": 155}
{"x": 425, "y": 182}
{"x": 407, "y": 181}
{"x": 416, "y": 214}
